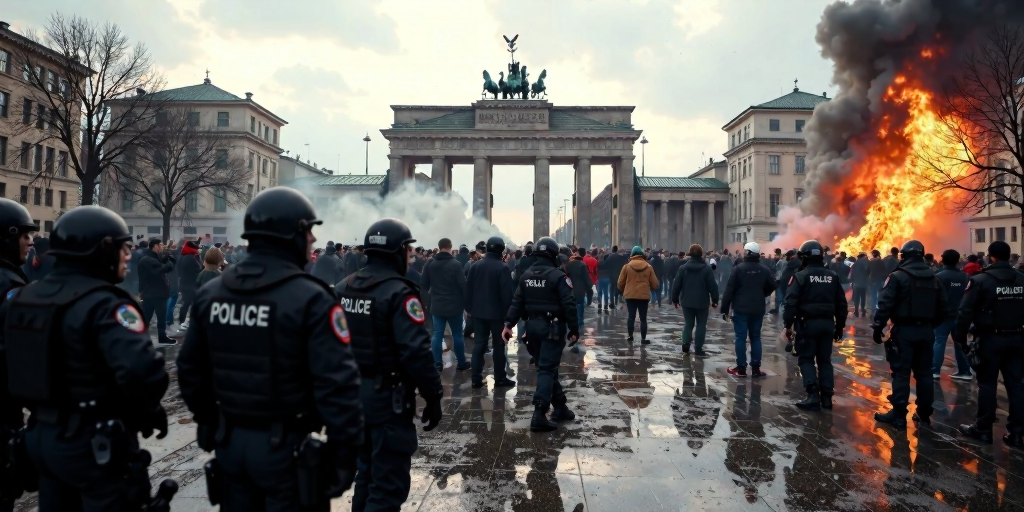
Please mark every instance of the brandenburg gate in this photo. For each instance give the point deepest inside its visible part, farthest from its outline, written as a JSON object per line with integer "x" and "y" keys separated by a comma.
{"x": 522, "y": 132}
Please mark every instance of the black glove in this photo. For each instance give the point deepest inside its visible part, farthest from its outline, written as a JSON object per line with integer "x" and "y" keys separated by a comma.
{"x": 838, "y": 334}
{"x": 571, "y": 335}
{"x": 876, "y": 335}
{"x": 155, "y": 420}
{"x": 431, "y": 413}
{"x": 344, "y": 471}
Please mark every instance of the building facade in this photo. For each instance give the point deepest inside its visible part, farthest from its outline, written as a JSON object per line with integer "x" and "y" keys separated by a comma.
{"x": 248, "y": 130}
{"x": 35, "y": 169}
{"x": 999, "y": 220}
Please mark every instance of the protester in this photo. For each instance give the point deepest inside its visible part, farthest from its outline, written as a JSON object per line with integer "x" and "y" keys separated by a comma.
{"x": 695, "y": 288}
{"x": 750, "y": 285}
{"x": 636, "y": 282}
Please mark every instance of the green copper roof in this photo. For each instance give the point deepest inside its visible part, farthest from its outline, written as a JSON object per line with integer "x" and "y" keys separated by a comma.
{"x": 673, "y": 182}
{"x": 201, "y": 92}
{"x": 796, "y": 100}
{"x": 566, "y": 121}
{"x": 338, "y": 180}
{"x": 464, "y": 120}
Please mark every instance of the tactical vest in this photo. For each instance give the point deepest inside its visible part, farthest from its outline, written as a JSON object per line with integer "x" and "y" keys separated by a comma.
{"x": 1008, "y": 307}
{"x": 369, "y": 326}
{"x": 540, "y": 291}
{"x": 919, "y": 303}
{"x": 817, "y": 293}
{"x": 37, "y": 367}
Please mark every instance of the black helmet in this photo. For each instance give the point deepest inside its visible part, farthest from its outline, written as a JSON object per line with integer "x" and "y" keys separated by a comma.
{"x": 279, "y": 212}
{"x": 93, "y": 235}
{"x": 496, "y": 245}
{"x": 388, "y": 236}
{"x": 481, "y": 246}
{"x": 14, "y": 222}
{"x": 546, "y": 247}
{"x": 528, "y": 250}
{"x": 811, "y": 249}
{"x": 912, "y": 249}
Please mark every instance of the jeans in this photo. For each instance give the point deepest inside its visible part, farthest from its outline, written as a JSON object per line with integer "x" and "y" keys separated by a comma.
{"x": 939, "y": 352}
{"x": 694, "y": 317}
{"x": 590, "y": 295}
{"x": 482, "y": 327}
{"x": 170, "y": 305}
{"x": 747, "y": 325}
{"x": 581, "y": 305}
{"x": 603, "y": 296}
{"x": 859, "y": 297}
{"x": 873, "y": 290}
{"x": 459, "y": 346}
{"x": 656, "y": 293}
{"x": 633, "y": 306}
{"x": 780, "y": 295}
{"x": 158, "y": 306}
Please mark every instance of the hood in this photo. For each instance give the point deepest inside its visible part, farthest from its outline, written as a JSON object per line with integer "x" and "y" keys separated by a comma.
{"x": 638, "y": 263}
{"x": 918, "y": 269}
{"x": 1002, "y": 271}
{"x": 695, "y": 263}
{"x": 441, "y": 256}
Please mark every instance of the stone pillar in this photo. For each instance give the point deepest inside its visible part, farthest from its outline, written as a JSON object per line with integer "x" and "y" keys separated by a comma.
{"x": 645, "y": 232}
{"x": 541, "y": 198}
{"x": 396, "y": 173}
{"x": 712, "y": 232}
{"x": 627, "y": 205}
{"x": 687, "y": 223}
{"x": 582, "y": 216}
{"x": 439, "y": 174}
{"x": 481, "y": 188}
{"x": 663, "y": 238}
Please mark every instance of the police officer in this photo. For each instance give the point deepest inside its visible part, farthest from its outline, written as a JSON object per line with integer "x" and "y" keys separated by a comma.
{"x": 489, "y": 289}
{"x": 544, "y": 299}
{"x": 80, "y": 357}
{"x": 16, "y": 227}
{"x": 266, "y": 361}
{"x": 816, "y": 304}
{"x": 392, "y": 347}
{"x": 914, "y": 300}
{"x": 993, "y": 302}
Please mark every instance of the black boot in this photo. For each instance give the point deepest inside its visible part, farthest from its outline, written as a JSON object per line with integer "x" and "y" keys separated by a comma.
{"x": 972, "y": 431}
{"x": 1014, "y": 441}
{"x": 562, "y": 413}
{"x": 895, "y": 418}
{"x": 540, "y": 423}
{"x": 813, "y": 400}
{"x": 826, "y": 400}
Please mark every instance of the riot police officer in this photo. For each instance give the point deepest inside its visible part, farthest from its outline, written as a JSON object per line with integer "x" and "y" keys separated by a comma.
{"x": 993, "y": 302}
{"x": 544, "y": 299}
{"x": 392, "y": 348}
{"x": 816, "y": 304}
{"x": 80, "y": 357}
{"x": 265, "y": 362}
{"x": 914, "y": 300}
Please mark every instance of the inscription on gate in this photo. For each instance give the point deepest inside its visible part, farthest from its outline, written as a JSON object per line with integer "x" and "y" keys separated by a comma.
{"x": 511, "y": 119}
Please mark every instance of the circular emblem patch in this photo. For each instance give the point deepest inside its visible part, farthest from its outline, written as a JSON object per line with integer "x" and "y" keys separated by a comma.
{"x": 568, "y": 281}
{"x": 339, "y": 325}
{"x": 130, "y": 318}
{"x": 414, "y": 309}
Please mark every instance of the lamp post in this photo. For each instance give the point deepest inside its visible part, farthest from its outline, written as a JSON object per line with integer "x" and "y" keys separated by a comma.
{"x": 367, "y": 141}
{"x": 307, "y": 151}
{"x": 643, "y": 155}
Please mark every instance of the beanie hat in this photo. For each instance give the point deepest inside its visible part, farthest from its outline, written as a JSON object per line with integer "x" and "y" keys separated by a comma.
{"x": 637, "y": 251}
{"x": 999, "y": 249}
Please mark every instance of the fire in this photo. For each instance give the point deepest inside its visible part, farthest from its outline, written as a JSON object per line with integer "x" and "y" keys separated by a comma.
{"x": 890, "y": 173}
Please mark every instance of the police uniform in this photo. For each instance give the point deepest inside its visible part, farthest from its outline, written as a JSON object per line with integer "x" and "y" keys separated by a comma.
{"x": 993, "y": 302}
{"x": 816, "y": 304}
{"x": 392, "y": 349}
{"x": 544, "y": 300}
{"x": 914, "y": 300}
{"x": 81, "y": 359}
{"x": 266, "y": 361}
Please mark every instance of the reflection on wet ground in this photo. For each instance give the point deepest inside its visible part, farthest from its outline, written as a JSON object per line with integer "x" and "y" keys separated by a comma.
{"x": 657, "y": 430}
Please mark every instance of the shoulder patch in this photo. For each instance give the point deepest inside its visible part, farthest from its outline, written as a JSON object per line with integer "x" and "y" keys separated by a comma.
{"x": 12, "y": 293}
{"x": 414, "y": 309}
{"x": 130, "y": 318}
{"x": 568, "y": 282}
{"x": 886, "y": 283}
{"x": 339, "y": 325}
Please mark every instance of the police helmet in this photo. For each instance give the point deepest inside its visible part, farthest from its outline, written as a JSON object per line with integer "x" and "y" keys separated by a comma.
{"x": 14, "y": 222}
{"x": 481, "y": 246}
{"x": 496, "y": 245}
{"x": 279, "y": 212}
{"x": 94, "y": 235}
{"x": 547, "y": 247}
{"x": 752, "y": 249}
{"x": 912, "y": 249}
{"x": 811, "y": 250}
{"x": 387, "y": 236}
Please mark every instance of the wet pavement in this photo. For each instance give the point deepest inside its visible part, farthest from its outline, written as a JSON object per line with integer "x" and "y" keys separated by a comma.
{"x": 660, "y": 430}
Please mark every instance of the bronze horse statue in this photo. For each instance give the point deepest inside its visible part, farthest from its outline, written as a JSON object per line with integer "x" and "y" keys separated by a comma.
{"x": 489, "y": 86}
{"x": 538, "y": 88}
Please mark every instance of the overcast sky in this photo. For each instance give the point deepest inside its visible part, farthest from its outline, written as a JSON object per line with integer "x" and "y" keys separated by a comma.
{"x": 331, "y": 68}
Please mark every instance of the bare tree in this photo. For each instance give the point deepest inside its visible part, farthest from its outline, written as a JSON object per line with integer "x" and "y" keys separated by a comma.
{"x": 174, "y": 162}
{"x": 979, "y": 151}
{"x": 86, "y": 71}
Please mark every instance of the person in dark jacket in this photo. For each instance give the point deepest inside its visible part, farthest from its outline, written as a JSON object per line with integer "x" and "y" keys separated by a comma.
{"x": 579, "y": 275}
{"x": 604, "y": 299}
{"x": 790, "y": 266}
{"x": 672, "y": 264}
{"x": 489, "y": 290}
{"x": 878, "y": 270}
{"x": 522, "y": 265}
{"x": 172, "y": 278}
{"x": 39, "y": 264}
{"x": 695, "y": 288}
{"x": 463, "y": 256}
{"x": 615, "y": 261}
{"x": 859, "y": 276}
{"x": 133, "y": 264}
{"x": 725, "y": 266}
{"x": 658, "y": 264}
{"x": 749, "y": 285}
{"x": 891, "y": 261}
{"x": 444, "y": 287}
{"x": 154, "y": 287}
{"x": 188, "y": 268}
{"x": 838, "y": 265}
{"x": 954, "y": 282}
{"x": 328, "y": 268}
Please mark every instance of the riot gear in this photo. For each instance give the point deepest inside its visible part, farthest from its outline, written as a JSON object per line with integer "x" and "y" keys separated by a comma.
{"x": 548, "y": 248}
{"x": 93, "y": 236}
{"x": 752, "y": 249}
{"x": 912, "y": 249}
{"x": 388, "y": 238}
{"x": 481, "y": 246}
{"x": 496, "y": 245}
{"x": 811, "y": 250}
{"x": 15, "y": 221}
{"x": 281, "y": 213}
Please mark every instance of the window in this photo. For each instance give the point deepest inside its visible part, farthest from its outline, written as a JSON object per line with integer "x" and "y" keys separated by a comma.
{"x": 732, "y": 141}
{"x": 26, "y": 111}
{"x": 51, "y": 80}
{"x": 48, "y": 197}
{"x": 50, "y": 152}
{"x": 799, "y": 165}
{"x": 248, "y": 193}
{"x": 273, "y": 171}
{"x": 800, "y": 125}
{"x": 746, "y": 132}
{"x": 1000, "y": 235}
{"x": 252, "y": 124}
{"x": 773, "y": 125}
{"x": 264, "y": 167}
{"x": 62, "y": 164}
{"x": 3, "y": 190}
{"x": 772, "y": 235}
{"x": 220, "y": 202}
{"x": 252, "y": 157}
{"x": 220, "y": 230}
{"x": 193, "y": 118}
{"x": 189, "y": 230}
{"x": 1013, "y": 233}
{"x": 799, "y": 195}
{"x": 750, "y": 201}
{"x": 266, "y": 133}
{"x": 65, "y": 88}
{"x": 4, "y": 100}
{"x": 979, "y": 235}
{"x": 48, "y": 226}
{"x": 773, "y": 164}
{"x": 192, "y": 201}
{"x": 41, "y": 117}
{"x": 37, "y": 196}
{"x": 191, "y": 155}
{"x": 222, "y": 159}
{"x": 744, "y": 205}
{"x": 63, "y": 197}
{"x": 3, "y": 150}
{"x": 25, "y": 73}
{"x": 274, "y": 131}
{"x": 127, "y": 198}
{"x": 153, "y": 230}
{"x": 744, "y": 167}
{"x": 732, "y": 174}
{"x": 23, "y": 194}
{"x": 37, "y": 164}
{"x": 5, "y": 61}
{"x": 999, "y": 193}
{"x": 774, "y": 198}
{"x": 222, "y": 118}
{"x": 26, "y": 154}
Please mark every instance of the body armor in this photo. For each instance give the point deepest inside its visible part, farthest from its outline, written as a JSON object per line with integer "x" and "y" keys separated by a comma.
{"x": 817, "y": 293}
{"x": 919, "y": 304}
{"x": 369, "y": 325}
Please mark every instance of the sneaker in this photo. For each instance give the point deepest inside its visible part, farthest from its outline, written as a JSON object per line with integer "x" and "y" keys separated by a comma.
{"x": 738, "y": 371}
{"x": 462, "y": 367}
{"x": 629, "y": 338}
{"x": 167, "y": 342}
{"x": 755, "y": 371}
{"x": 963, "y": 376}
{"x": 478, "y": 385}
{"x": 504, "y": 383}
{"x": 686, "y": 348}
{"x": 645, "y": 342}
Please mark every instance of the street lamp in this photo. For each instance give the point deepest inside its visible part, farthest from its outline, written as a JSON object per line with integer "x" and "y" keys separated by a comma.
{"x": 307, "y": 151}
{"x": 643, "y": 155}
{"x": 367, "y": 141}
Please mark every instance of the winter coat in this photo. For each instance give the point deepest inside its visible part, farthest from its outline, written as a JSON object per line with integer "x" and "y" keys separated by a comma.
{"x": 615, "y": 262}
{"x": 187, "y": 268}
{"x": 205, "y": 277}
{"x": 328, "y": 268}
{"x": 841, "y": 270}
{"x": 153, "y": 270}
{"x": 725, "y": 265}
{"x": 658, "y": 265}
{"x": 859, "y": 272}
{"x": 695, "y": 285}
{"x": 579, "y": 274}
{"x": 489, "y": 288}
{"x": 591, "y": 263}
{"x": 890, "y": 263}
{"x": 877, "y": 271}
{"x": 672, "y": 265}
{"x": 637, "y": 279}
{"x": 443, "y": 285}
{"x": 791, "y": 267}
{"x": 749, "y": 284}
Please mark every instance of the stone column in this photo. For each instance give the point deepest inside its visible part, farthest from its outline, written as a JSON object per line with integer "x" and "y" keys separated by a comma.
{"x": 541, "y": 198}
{"x": 687, "y": 223}
{"x": 583, "y": 217}
{"x": 712, "y": 232}
{"x": 481, "y": 194}
{"x": 663, "y": 239}
{"x": 396, "y": 173}
{"x": 439, "y": 174}
{"x": 627, "y": 205}
{"x": 645, "y": 232}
